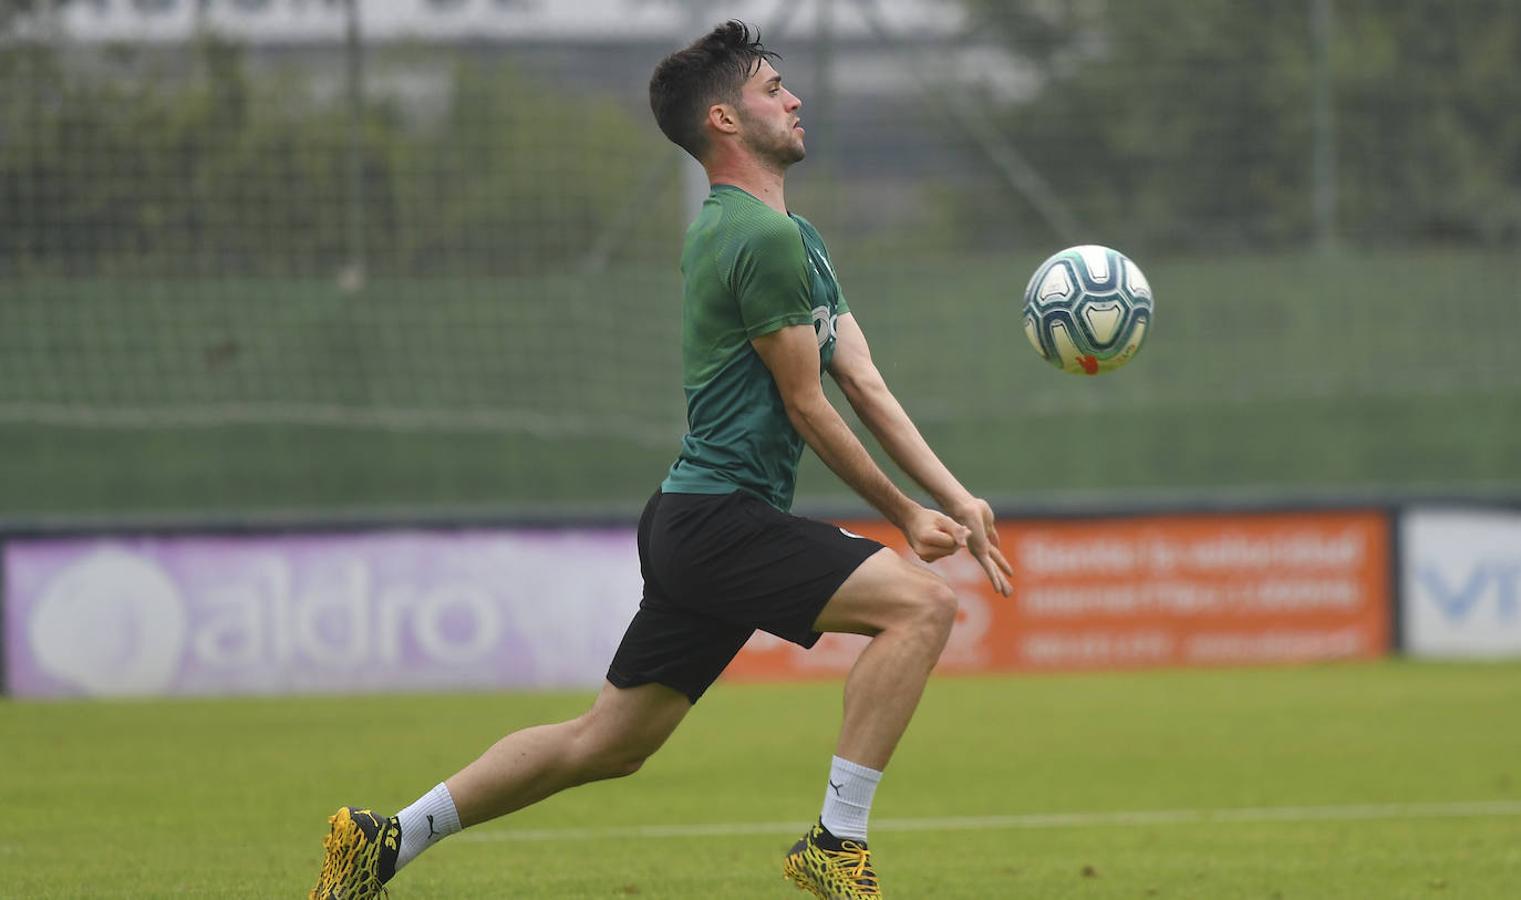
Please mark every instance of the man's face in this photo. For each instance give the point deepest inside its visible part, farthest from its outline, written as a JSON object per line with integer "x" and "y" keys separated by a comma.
{"x": 770, "y": 127}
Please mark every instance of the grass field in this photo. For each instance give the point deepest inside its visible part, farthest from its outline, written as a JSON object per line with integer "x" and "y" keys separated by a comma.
{"x": 1388, "y": 780}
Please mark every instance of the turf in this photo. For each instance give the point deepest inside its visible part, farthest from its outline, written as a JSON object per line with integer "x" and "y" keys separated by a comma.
{"x": 228, "y": 798}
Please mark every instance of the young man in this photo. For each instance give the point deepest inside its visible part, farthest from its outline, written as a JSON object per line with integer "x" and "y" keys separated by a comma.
{"x": 720, "y": 555}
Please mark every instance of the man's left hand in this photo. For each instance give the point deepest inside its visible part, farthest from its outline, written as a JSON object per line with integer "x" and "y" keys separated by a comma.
{"x": 982, "y": 541}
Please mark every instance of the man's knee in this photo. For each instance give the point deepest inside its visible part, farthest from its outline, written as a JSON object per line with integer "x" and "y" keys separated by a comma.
{"x": 623, "y": 728}
{"x": 938, "y": 606}
{"x": 603, "y": 753}
{"x": 926, "y": 604}
{"x": 617, "y": 764}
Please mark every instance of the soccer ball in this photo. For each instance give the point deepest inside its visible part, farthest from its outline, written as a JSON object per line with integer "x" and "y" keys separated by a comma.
{"x": 1087, "y": 310}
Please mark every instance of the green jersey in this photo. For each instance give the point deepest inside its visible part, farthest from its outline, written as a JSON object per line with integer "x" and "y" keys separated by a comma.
{"x": 749, "y": 270}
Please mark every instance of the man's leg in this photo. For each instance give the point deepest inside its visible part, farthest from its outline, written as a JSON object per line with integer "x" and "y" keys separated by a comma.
{"x": 623, "y": 727}
{"x": 908, "y": 611}
{"x": 613, "y": 738}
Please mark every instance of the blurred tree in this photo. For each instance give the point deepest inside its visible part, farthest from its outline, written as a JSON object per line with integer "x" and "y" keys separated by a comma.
{"x": 516, "y": 176}
{"x": 1186, "y": 123}
{"x": 132, "y": 161}
{"x": 1430, "y": 97}
{"x": 11, "y": 10}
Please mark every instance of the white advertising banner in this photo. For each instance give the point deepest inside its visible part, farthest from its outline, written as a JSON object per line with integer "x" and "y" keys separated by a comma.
{"x": 303, "y": 613}
{"x": 1461, "y": 583}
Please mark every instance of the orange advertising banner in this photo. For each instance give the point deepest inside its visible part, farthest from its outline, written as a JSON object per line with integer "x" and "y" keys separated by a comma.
{"x": 1132, "y": 592}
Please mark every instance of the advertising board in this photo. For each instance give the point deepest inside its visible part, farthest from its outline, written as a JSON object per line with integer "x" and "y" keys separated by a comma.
{"x": 385, "y": 611}
{"x": 1461, "y": 583}
{"x": 1177, "y": 590}
{"x": 522, "y": 609}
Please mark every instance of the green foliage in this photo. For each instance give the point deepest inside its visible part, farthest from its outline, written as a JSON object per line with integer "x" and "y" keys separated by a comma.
{"x": 149, "y": 162}
{"x": 12, "y": 10}
{"x": 1188, "y": 123}
{"x": 514, "y": 177}
{"x": 1430, "y": 93}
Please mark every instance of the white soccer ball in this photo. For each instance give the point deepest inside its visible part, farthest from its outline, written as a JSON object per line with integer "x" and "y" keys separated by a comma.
{"x": 1087, "y": 310}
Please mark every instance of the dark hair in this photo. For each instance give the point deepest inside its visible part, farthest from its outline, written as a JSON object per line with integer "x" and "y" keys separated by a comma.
{"x": 712, "y": 70}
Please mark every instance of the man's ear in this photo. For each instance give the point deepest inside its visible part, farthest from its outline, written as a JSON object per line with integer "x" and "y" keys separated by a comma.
{"x": 722, "y": 118}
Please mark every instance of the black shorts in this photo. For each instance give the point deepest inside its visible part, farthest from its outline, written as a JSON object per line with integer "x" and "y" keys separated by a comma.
{"x": 717, "y": 567}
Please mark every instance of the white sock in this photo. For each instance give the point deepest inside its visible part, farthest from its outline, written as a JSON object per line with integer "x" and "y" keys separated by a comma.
{"x": 847, "y": 799}
{"x": 426, "y": 822}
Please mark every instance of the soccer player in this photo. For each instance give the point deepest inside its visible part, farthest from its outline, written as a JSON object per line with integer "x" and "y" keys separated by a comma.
{"x": 721, "y": 556}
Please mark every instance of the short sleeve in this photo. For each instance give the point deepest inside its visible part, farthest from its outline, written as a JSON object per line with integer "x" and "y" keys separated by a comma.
{"x": 770, "y": 279}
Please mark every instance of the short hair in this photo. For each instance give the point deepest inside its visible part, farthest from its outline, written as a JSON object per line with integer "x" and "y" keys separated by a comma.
{"x": 713, "y": 69}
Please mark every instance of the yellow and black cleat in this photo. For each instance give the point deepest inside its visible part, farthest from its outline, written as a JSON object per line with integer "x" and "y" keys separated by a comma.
{"x": 359, "y": 856}
{"x": 831, "y": 868}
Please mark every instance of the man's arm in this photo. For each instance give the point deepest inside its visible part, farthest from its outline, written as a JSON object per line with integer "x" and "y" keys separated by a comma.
{"x": 792, "y": 356}
{"x": 857, "y": 376}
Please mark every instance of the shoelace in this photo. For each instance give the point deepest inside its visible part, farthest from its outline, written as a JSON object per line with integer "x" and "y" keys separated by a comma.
{"x": 854, "y": 855}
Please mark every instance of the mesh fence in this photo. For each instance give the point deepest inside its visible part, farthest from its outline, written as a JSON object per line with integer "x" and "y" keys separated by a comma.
{"x": 241, "y": 274}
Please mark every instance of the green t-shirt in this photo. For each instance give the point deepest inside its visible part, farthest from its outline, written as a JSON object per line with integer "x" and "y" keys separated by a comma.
{"x": 749, "y": 271}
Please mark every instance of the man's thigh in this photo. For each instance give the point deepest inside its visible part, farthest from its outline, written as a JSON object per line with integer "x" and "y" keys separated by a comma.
{"x": 640, "y": 717}
{"x": 883, "y": 590}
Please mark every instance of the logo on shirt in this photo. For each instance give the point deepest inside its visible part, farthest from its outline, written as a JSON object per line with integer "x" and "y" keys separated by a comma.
{"x": 823, "y": 317}
{"x": 823, "y": 325}
{"x": 818, "y": 259}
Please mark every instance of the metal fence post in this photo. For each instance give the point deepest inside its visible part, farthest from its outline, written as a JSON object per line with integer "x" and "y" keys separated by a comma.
{"x": 1323, "y": 167}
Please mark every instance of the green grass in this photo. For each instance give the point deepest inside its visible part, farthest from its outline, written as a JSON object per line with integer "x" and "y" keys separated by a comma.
{"x": 228, "y": 798}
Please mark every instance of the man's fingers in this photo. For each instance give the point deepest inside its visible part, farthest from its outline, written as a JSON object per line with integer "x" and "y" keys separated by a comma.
{"x": 954, "y": 531}
{"x": 930, "y": 551}
{"x": 997, "y": 568}
{"x": 994, "y": 575}
{"x": 1003, "y": 564}
{"x": 940, "y": 538}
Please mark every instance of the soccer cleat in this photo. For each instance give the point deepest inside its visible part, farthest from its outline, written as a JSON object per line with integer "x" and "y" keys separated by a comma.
{"x": 359, "y": 856}
{"x": 830, "y": 868}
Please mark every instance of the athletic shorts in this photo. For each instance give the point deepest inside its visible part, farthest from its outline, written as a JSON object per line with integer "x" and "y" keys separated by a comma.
{"x": 717, "y": 567}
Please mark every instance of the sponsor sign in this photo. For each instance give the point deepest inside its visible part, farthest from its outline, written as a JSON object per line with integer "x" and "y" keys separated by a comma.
{"x": 1461, "y": 583}
{"x": 328, "y": 613}
{"x": 441, "y": 610}
{"x": 1202, "y": 590}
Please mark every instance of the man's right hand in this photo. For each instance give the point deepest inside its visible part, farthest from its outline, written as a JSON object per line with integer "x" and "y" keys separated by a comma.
{"x": 933, "y": 535}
